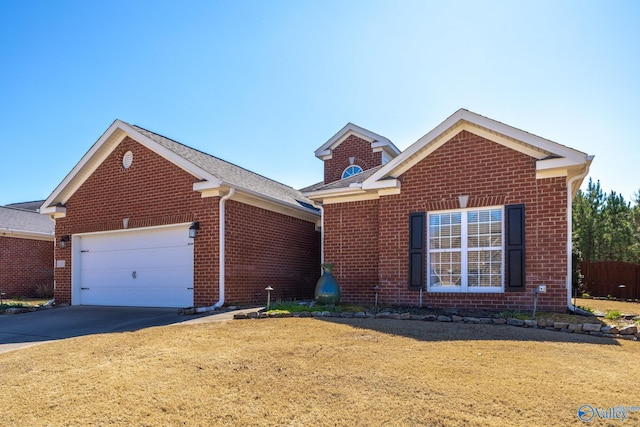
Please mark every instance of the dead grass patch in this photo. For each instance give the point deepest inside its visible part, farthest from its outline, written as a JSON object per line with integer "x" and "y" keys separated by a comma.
{"x": 319, "y": 372}
{"x": 605, "y": 305}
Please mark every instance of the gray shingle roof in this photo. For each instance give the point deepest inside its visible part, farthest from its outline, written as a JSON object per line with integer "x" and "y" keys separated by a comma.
{"x": 25, "y": 221}
{"x": 230, "y": 173}
{"x": 343, "y": 183}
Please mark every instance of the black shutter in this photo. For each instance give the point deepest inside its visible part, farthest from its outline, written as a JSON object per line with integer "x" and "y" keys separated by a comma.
{"x": 416, "y": 250}
{"x": 514, "y": 248}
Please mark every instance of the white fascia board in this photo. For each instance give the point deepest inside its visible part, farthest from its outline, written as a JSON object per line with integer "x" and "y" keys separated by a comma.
{"x": 107, "y": 142}
{"x": 25, "y": 234}
{"x": 508, "y": 136}
{"x": 520, "y": 135}
{"x": 105, "y": 145}
{"x": 54, "y": 212}
{"x": 561, "y": 162}
{"x": 381, "y": 184}
{"x": 334, "y": 192}
{"x": 376, "y": 141}
{"x": 274, "y": 205}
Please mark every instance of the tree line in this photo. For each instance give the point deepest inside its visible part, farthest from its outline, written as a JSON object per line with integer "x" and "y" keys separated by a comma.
{"x": 606, "y": 227}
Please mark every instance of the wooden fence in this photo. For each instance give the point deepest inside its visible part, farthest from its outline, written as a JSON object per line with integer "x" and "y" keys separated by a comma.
{"x": 601, "y": 279}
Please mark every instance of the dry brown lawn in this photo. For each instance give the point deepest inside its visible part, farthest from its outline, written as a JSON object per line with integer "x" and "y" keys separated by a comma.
{"x": 605, "y": 305}
{"x": 334, "y": 372}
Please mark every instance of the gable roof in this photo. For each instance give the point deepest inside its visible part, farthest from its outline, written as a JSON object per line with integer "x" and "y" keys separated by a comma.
{"x": 25, "y": 223}
{"x": 552, "y": 159}
{"x": 214, "y": 176}
{"x": 378, "y": 142}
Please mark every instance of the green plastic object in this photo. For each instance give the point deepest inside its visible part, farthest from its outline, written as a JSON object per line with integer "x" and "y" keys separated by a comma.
{"x": 327, "y": 288}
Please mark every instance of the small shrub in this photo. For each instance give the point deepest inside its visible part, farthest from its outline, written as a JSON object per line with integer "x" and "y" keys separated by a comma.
{"x": 612, "y": 315}
{"x": 586, "y": 295}
{"x": 588, "y": 309}
{"x": 44, "y": 290}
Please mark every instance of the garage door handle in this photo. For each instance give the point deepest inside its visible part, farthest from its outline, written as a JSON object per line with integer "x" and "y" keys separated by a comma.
{"x": 84, "y": 289}
{"x": 189, "y": 289}
{"x": 133, "y": 274}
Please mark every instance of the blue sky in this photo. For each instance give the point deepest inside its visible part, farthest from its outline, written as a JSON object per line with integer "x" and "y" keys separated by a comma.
{"x": 263, "y": 84}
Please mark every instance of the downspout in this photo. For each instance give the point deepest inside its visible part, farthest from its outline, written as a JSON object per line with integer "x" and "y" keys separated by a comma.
{"x": 321, "y": 234}
{"x": 570, "y": 238}
{"x": 221, "y": 233}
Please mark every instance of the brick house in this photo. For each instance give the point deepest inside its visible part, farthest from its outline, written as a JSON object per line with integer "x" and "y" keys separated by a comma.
{"x": 475, "y": 214}
{"x": 143, "y": 220}
{"x": 26, "y": 250}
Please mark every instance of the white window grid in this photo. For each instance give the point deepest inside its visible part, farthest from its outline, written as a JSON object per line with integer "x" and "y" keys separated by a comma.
{"x": 450, "y": 268}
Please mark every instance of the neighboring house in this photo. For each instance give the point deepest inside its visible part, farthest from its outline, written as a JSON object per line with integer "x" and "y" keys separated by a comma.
{"x": 475, "y": 214}
{"x": 26, "y": 250}
{"x": 126, "y": 215}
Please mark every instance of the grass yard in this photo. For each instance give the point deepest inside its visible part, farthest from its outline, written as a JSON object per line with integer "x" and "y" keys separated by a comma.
{"x": 309, "y": 371}
{"x": 606, "y": 305}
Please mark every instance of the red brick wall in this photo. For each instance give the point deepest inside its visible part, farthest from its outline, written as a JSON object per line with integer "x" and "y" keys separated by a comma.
{"x": 265, "y": 248}
{"x": 151, "y": 192}
{"x": 490, "y": 174}
{"x": 351, "y": 243}
{"x": 24, "y": 264}
{"x": 350, "y": 147}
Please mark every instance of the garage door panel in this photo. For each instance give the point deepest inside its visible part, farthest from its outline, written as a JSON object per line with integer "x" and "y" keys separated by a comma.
{"x": 148, "y": 267}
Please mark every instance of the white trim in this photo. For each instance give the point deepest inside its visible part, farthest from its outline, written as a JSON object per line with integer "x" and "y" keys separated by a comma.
{"x": 508, "y": 136}
{"x": 76, "y": 251}
{"x": 25, "y": 234}
{"x": 378, "y": 142}
{"x": 571, "y": 182}
{"x": 464, "y": 273}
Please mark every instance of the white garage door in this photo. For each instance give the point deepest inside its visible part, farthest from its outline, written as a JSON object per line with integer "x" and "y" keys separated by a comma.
{"x": 144, "y": 268}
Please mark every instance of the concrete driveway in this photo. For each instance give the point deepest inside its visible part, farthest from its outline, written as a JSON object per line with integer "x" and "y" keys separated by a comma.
{"x": 23, "y": 330}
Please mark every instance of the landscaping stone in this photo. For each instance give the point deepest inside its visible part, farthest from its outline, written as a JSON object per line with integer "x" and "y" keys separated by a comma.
{"x": 530, "y": 323}
{"x": 239, "y": 316}
{"x": 327, "y": 314}
{"x": 305, "y": 314}
{"x": 628, "y": 337}
{"x": 610, "y": 335}
{"x": 515, "y": 322}
{"x": 263, "y": 315}
{"x": 442, "y": 318}
{"x": 347, "y": 315}
{"x": 560, "y": 325}
{"x": 628, "y": 330}
{"x": 383, "y": 315}
{"x": 252, "y": 315}
{"x": 405, "y": 316}
{"x": 394, "y": 316}
{"x": 455, "y": 318}
{"x": 591, "y": 327}
{"x": 486, "y": 321}
{"x": 416, "y": 317}
{"x": 611, "y": 330}
{"x": 499, "y": 321}
{"x": 595, "y": 333}
{"x": 575, "y": 327}
{"x": 360, "y": 315}
{"x": 316, "y": 313}
{"x": 472, "y": 320}
{"x": 430, "y": 318}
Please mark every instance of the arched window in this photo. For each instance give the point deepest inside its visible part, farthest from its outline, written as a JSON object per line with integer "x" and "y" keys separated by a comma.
{"x": 351, "y": 170}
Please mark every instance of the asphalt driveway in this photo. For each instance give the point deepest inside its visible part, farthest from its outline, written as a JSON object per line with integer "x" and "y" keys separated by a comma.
{"x": 22, "y": 330}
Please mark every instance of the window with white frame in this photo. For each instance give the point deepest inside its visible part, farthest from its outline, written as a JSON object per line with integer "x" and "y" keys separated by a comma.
{"x": 351, "y": 170}
{"x": 466, "y": 250}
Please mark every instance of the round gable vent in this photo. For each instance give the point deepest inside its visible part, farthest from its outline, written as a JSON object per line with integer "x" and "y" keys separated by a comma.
{"x": 127, "y": 159}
